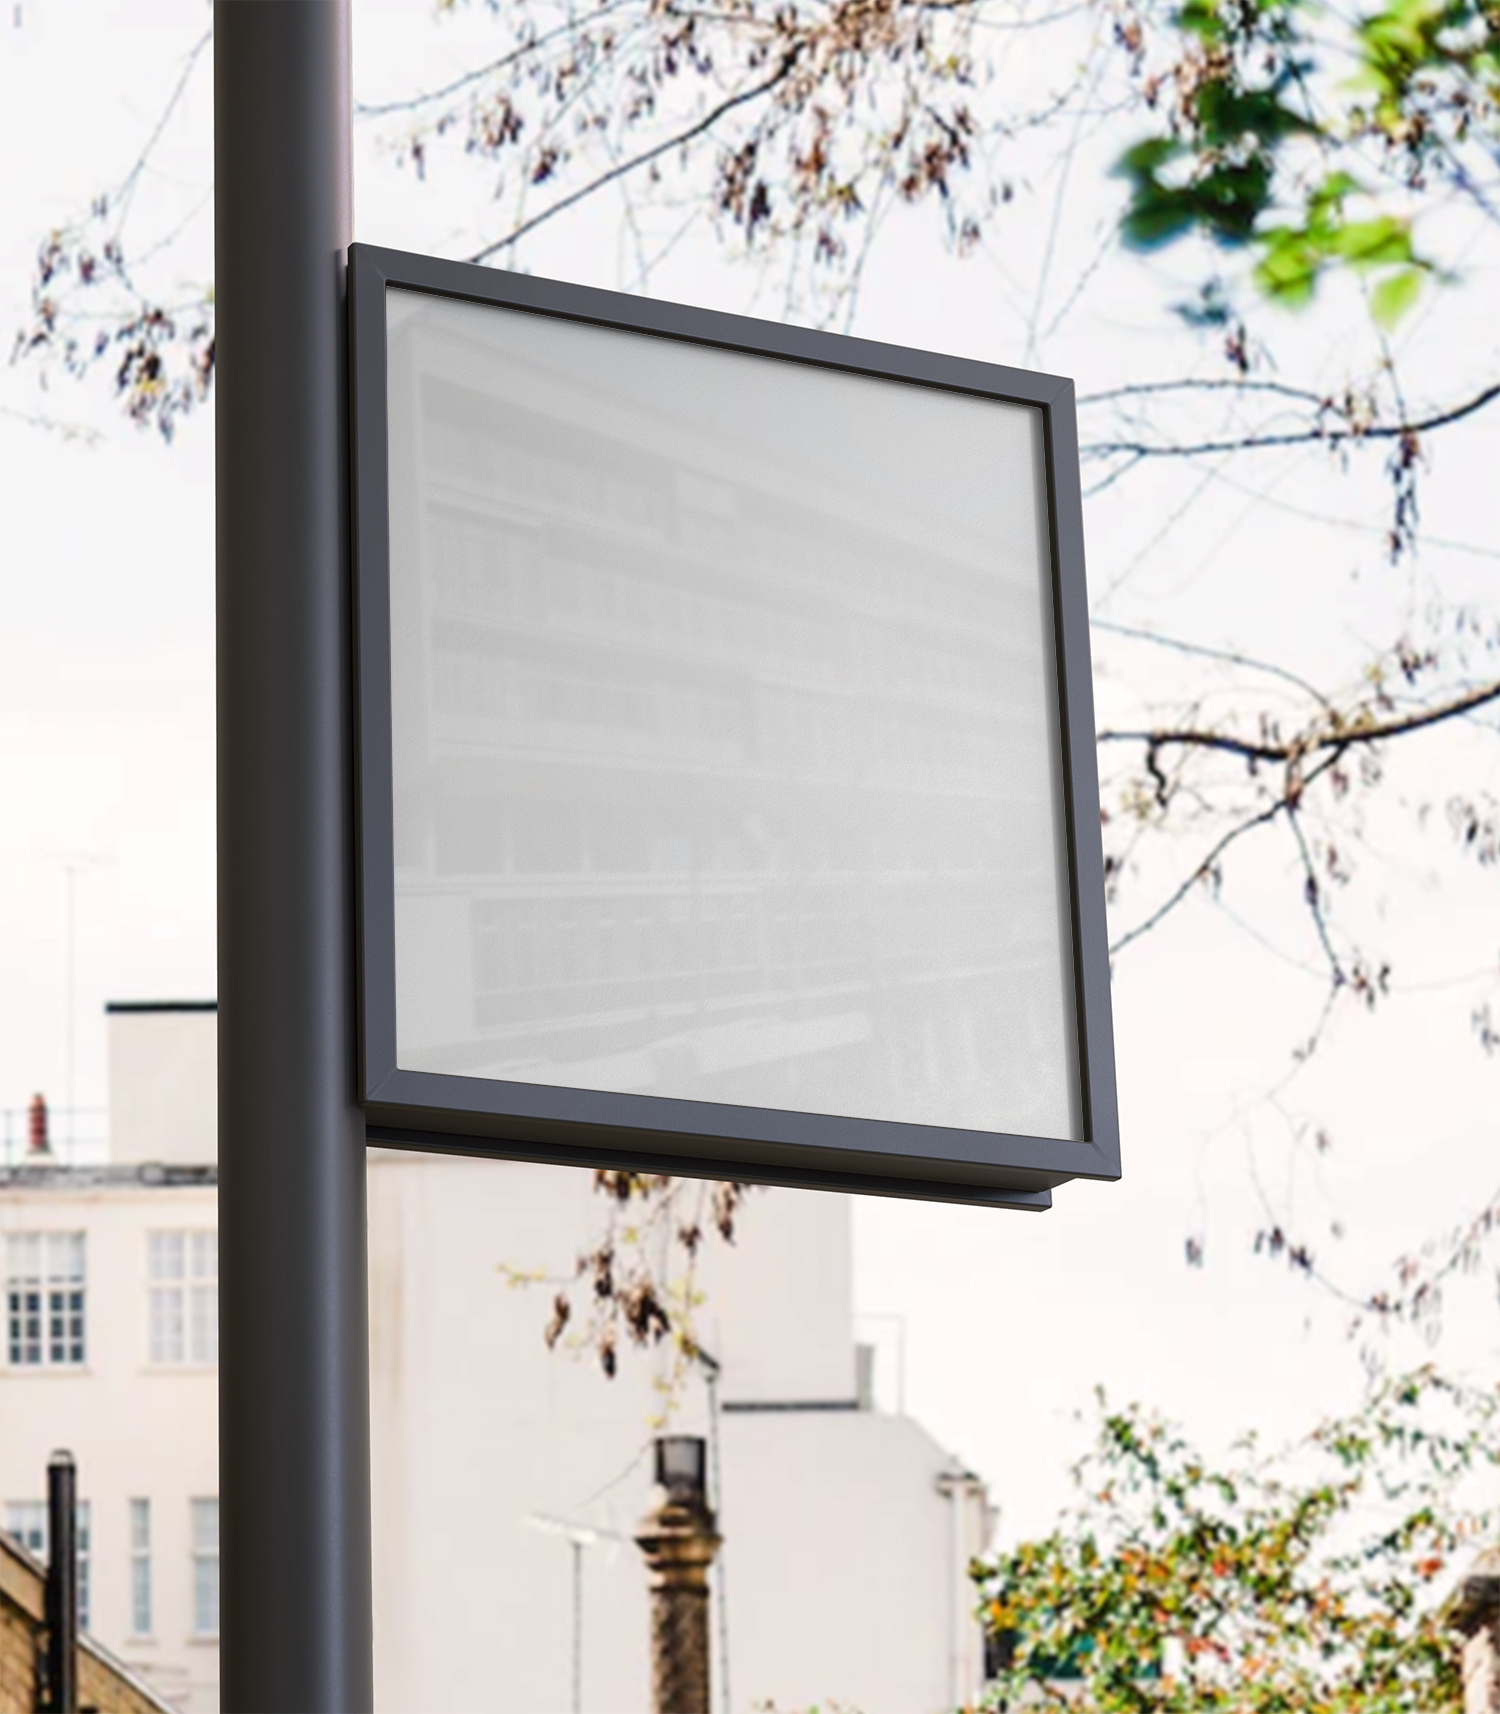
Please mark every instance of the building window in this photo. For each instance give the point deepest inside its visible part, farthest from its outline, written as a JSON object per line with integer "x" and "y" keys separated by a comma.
{"x": 26, "y": 1522}
{"x": 184, "y": 1268}
{"x": 140, "y": 1568}
{"x": 205, "y": 1567}
{"x": 84, "y": 1563}
{"x": 44, "y": 1299}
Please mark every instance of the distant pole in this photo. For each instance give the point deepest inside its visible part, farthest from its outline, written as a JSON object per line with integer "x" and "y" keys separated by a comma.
{"x": 711, "y": 1372}
{"x": 580, "y": 1536}
{"x": 576, "y": 1543}
{"x": 679, "y": 1540}
{"x": 70, "y": 875}
{"x": 293, "y": 1387}
{"x": 62, "y": 1585}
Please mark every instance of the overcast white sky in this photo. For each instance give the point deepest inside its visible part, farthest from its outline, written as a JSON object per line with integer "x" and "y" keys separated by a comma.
{"x": 106, "y": 765}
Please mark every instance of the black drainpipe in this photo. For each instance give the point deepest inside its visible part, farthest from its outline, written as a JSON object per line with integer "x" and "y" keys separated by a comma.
{"x": 62, "y": 1585}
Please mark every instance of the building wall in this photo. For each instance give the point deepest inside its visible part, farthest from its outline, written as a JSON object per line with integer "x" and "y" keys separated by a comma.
{"x": 845, "y": 1564}
{"x": 20, "y": 1615}
{"x": 779, "y": 1308}
{"x": 163, "y": 1082}
{"x": 842, "y": 1570}
{"x": 136, "y": 1430}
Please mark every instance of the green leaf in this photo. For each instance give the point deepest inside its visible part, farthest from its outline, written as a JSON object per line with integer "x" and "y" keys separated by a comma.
{"x": 1288, "y": 271}
{"x": 1330, "y": 196}
{"x": 1146, "y": 159}
{"x": 1202, "y": 18}
{"x": 1228, "y": 113}
{"x": 1373, "y": 243}
{"x": 1155, "y": 217}
{"x": 1395, "y": 295}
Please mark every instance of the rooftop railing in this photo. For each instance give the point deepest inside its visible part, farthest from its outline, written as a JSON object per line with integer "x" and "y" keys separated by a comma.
{"x": 76, "y": 1136}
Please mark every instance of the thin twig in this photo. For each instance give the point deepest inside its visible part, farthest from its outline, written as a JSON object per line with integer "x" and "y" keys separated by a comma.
{"x": 1333, "y": 437}
{"x": 1203, "y": 869}
{"x": 1205, "y": 866}
{"x": 1314, "y": 897}
{"x": 646, "y": 156}
{"x": 1231, "y": 657}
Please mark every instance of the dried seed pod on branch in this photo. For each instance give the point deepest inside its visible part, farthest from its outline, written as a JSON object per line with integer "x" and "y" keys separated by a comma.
{"x": 637, "y": 1284}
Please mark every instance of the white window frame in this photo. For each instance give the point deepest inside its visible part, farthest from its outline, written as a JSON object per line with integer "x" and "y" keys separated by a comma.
{"x": 46, "y": 1300}
{"x": 141, "y": 1609}
{"x": 83, "y": 1536}
{"x": 26, "y": 1521}
{"x": 182, "y": 1265}
{"x": 204, "y": 1520}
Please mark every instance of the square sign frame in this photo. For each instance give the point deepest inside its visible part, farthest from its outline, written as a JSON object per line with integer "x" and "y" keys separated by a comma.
{"x": 481, "y": 1115}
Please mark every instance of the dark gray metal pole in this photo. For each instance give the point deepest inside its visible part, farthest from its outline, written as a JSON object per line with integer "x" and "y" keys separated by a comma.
{"x": 293, "y": 1389}
{"x": 62, "y": 1585}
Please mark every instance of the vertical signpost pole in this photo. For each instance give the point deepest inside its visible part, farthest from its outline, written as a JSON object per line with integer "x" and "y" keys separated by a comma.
{"x": 294, "y": 1400}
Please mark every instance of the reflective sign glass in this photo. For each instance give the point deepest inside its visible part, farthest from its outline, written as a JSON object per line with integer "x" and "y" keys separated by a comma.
{"x": 725, "y": 736}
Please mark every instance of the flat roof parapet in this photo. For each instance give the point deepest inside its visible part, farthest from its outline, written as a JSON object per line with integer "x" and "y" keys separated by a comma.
{"x": 55, "y": 1175}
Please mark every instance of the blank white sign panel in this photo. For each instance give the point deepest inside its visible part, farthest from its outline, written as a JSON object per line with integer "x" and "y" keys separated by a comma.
{"x": 725, "y": 734}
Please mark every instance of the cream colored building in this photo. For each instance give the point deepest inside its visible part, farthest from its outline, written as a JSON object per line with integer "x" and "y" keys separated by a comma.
{"x": 508, "y": 1479}
{"x": 846, "y": 1530}
{"x": 111, "y": 1349}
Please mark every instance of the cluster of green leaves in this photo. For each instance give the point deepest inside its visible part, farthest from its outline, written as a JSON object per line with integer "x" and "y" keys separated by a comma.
{"x": 1309, "y": 1582}
{"x": 1236, "y": 78}
{"x": 1305, "y": 139}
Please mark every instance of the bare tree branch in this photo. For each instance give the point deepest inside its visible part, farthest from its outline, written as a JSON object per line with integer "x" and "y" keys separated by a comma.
{"x": 482, "y": 73}
{"x": 1194, "y": 385}
{"x": 1340, "y": 734}
{"x": 643, "y": 159}
{"x": 1199, "y": 874}
{"x": 1136, "y": 450}
{"x": 1313, "y": 897}
{"x": 1205, "y": 651}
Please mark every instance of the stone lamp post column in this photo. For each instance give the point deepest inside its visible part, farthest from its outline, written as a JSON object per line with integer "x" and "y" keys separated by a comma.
{"x": 1474, "y": 1612}
{"x": 679, "y": 1540}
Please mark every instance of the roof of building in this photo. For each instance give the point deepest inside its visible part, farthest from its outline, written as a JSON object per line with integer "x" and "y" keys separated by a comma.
{"x": 55, "y": 1175}
{"x": 104, "y": 1682}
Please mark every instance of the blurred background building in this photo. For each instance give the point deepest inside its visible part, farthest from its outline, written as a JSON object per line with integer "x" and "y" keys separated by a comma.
{"x": 509, "y": 1479}
{"x": 111, "y": 1350}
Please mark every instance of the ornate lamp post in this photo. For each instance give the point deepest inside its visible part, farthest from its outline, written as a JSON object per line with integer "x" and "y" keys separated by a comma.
{"x": 679, "y": 1540}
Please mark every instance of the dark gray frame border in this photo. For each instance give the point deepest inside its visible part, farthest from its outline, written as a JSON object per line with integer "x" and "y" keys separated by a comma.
{"x": 523, "y": 1121}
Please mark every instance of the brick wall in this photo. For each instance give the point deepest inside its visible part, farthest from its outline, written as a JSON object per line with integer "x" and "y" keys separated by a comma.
{"x": 103, "y": 1684}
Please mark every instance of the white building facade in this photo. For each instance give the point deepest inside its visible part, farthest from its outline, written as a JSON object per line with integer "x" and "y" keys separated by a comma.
{"x": 847, "y": 1531}
{"x": 111, "y": 1350}
{"x": 508, "y": 1479}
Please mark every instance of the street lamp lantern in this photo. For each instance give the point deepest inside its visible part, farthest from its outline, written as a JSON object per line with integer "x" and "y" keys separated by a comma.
{"x": 682, "y": 1465}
